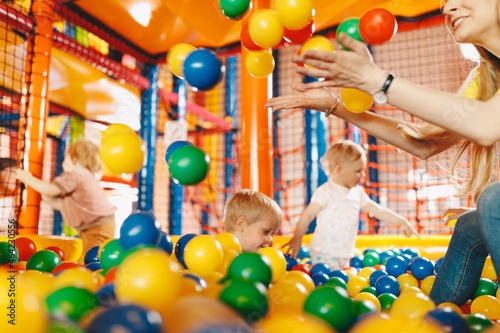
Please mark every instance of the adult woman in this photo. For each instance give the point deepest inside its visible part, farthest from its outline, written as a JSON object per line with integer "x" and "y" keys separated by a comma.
{"x": 452, "y": 119}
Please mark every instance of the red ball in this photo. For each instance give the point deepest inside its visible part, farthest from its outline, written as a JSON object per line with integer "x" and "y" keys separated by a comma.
{"x": 299, "y": 36}
{"x": 303, "y": 268}
{"x": 65, "y": 265}
{"x": 246, "y": 40}
{"x": 377, "y": 26}
{"x": 58, "y": 251}
{"x": 26, "y": 247}
{"x": 110, "y": 275}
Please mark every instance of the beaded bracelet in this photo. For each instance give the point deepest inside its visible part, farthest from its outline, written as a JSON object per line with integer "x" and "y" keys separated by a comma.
{"x": 334, "y": 107}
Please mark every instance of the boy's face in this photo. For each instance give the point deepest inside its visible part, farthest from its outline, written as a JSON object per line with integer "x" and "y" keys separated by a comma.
{"x": 351, "y": 173}
{"x": 256, "y": 235}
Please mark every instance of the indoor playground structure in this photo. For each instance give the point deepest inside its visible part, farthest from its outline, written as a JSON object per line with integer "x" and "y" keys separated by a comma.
{"x": 174, "y": 92}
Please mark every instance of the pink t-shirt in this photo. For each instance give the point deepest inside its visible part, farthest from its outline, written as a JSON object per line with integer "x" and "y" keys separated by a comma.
{"x": 84, "y": 201}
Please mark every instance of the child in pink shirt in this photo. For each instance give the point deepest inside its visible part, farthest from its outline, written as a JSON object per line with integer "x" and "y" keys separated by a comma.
{"x": 77, "y": 194}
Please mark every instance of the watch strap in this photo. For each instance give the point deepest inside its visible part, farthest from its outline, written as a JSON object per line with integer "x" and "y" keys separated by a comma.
{"x": 387, "y": 83}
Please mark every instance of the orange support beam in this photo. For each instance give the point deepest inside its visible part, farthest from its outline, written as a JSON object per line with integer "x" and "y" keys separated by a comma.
{"x": 256, "y": 128}
{"x": 33, "y": 129}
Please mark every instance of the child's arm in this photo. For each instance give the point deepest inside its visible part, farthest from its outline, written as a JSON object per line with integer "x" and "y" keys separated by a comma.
{"x": 54, "y": 202}
{"x": 38, "y": 185}
{"x": 389, "y": 216}
{"x": 305, "y": 219}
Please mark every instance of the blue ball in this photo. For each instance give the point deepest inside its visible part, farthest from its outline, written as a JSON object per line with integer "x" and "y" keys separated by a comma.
{"x": 320, "y": 268}
{"x": 290, "y": 262}
{"x": 406, "y": 257}
{"x": 421, "y": 267}
{"x": 412, "y": 252}
{"x": 396, "y": 266}
{"x": 92, "y": 255}
{"x": 357, "y": 262}
{"x": 199, "y": 280}
{"x": 180, "y": 245}
{"x": 449, "y": 320}
{"x": 385, "y": 255}
{"x": 319, "y": 279}
{"x": 340, "y": 274}
{"x": 140, "y": 229}
{"x": 202, "y": 69}
{"x": 126, "y": 318}
{"x": 166, "y": 243}
{"x": 106, "y": 295}
{"x": 173, "y": 147}
{"x": 94, "y": 266}
{"x": 375, "y": 276}
{"x": 387, "y": 284}
{"x": 438, "y": 263}
{"x": 303, "y": 252}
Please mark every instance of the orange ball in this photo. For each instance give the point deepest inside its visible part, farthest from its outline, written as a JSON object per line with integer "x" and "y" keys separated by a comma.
{"x": 356, "y": 100}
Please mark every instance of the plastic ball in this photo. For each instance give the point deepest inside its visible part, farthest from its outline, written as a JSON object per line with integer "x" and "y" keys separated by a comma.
{"x": 26, "y": 247}
{"x": 356, "y": 100}
{"x": 396, "y": 266}
{"x": 140, "y": 229}
{"x": 437, "y": 264}
{"x": 286, "y": 321}
{"x": 111, "y": 254}
{"x": 356, "y": 284}
{"x": 189, "y": 165}
{"x": 166, "y": 243}
{"x": 477, "y": 322}
{"x": 319, "y": 279}
{"x": 71, "y": 302}
{"x": 174, "y": 146}
{"x": 421, "y": 267}
{"x": 229, "y": 241}
{"x": 318, "y": 43}
{"x": 336, "y": 281}
{"x": 202, "y": 70}
{"x": 486, "y": 305}
{"x": 126, "y": 318}
{"x": 427, "y": 283}
{"x": 64, "y": 266}
{"x": 8, "y": 253}
{"x": 356, "y": 262}
{"x": 58, "y": 251}
{"x": 180, "y": 245}
{"x": 290, "y": 262}
{"x": 265, "y": 28}
{"x": 106, "y": 295}
{"x": 371, "y": 259}
{"x": 248, "y": 298}
{"x": 449, "y": 320}
{"x": 387, "y": 284}
{"x": 251, "y": 266}
{"x": 303, "y": 252}
{"x": 351, "y": 28}
{"x": 77, "y": 277}
{"x": 377, "y": 26}
{"x": 412, "y": 306}
{"x": 370, "y": 298}
{"x": 142, "y": 279}
{"x": 375, "y": 275}
{"x": 304, "y": 267}
{"x": 277, "y": 259}
{"x": 295, "y": 14}
{"x": 115, "y": 129}
{"x": 299, "y": 36}
{"x": 406, "y": 280}
{"x": 331, "y": 304}
{"x": 260, "y": 63}
{"x": 235, "y": 9}
{"x": 488, "y": 269}
{"x": 339, "y": 273}
{"x": 203, "y": 254}
{"x": 91, "y": 255}
{"x": 485, "y": 287}
{"x": 288, "y": 295}
{"x": 43, "y": 261}
{"x": 452, "y": 306}
{"x": 246, "y": 39}
{"x": 176, "y": 57}
{"x": 301, "y": 278}
{"x": 123, "y": 153}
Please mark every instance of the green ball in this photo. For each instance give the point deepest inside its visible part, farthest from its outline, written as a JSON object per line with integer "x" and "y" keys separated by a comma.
{"x": 234, "y": 9}
{"x": 336, "y": 281}
{"x": 43, "y": 261}
{"x": 246, "y": 297}
{"x": 370, "y": 290}
{"x": 112, "y": 254}
{"x": 361, "y": 306}
{"x": 351, "y": 28}
{"x": 188, "y": 165}
{"x": 8, "y": 254}
{"x": 477, "y": 322}
{"x": 71, "y": 302}
{"x": 250, "y": 266}
{"x": 386, "y": 300}
{"x": 371, "y": 259}
{"x": 485, "y": 287}
{"x": 331, "y": 304}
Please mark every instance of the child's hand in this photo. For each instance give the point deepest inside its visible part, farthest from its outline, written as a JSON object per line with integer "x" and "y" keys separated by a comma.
{"x": 293, "y": 247}
{"x": 451, "y": 214}
{"x": 409, "y": 230}
{"x": 23, "y": 175}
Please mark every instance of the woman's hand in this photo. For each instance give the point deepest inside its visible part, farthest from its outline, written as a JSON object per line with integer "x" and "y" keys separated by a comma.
{"x": 351, "y": 69}
{"x": 313, "y": 99}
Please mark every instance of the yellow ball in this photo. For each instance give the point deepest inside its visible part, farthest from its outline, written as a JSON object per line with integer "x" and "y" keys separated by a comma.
{"x": 278, "y": 261}
{"x": 300, "y": 277}
{"x": 486, "y": 305}
{"x": 366, "y": 272}
{"x": 368, "y": 297}
{"x": 123, "y": 153}
{"x": 203, "y": 254}
{"x": 227, "y": 258}
{"x": 356, "y": 100}
{"x": 260, "y": 63}
{"x": 295, "y": 14}
{"x": 427, "y": 283}
{"x": 411, "y": 306}
{"x": 286, "y": 294}
{"x": 410, "y": 290}
{"x": 489, "y": 270}
{"x": 115, "y": 129}
{"x": 78, "y": 277}
{"x": 406, "y": 280}
{"x": 382, "y": 323}
{"x": 452, "y": 306}
{"x": 356, "y": 284}
{"x": 229, "y": 241}
{"x": 176, "y": 56}
{"x": 148, "y": 277}
{"x": 286, "y": 321}
{"x": 318, "y": 43}
{"x": 265, "y": 28}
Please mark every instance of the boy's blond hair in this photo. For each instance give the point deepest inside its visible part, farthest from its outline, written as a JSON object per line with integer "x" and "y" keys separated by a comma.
{"x": 87, "y": 154}
{"x": 254, "y": 206}
{"x": 341, "y": 152}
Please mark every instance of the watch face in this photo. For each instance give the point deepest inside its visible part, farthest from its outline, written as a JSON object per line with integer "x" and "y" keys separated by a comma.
{"x": 380, "y": 97}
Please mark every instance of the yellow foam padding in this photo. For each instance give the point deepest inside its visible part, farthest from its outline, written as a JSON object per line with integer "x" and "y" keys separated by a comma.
{"x": 72, "y": 247}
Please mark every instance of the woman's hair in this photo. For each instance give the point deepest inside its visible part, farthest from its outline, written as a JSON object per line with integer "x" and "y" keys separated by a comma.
{"x": 87, "y": 154}
{"x": 341, "y": 152}
{"x": 254, "y": 206}
{"x": 483, "y": 160}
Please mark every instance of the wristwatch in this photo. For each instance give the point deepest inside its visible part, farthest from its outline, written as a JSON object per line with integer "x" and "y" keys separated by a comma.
{"x": 381, "y": 95}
